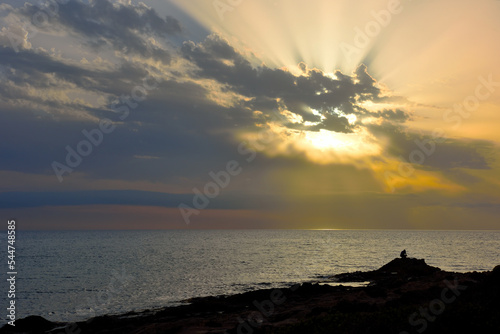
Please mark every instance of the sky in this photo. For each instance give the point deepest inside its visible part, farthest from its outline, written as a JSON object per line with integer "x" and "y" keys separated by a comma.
{"x": 226, "y": 114}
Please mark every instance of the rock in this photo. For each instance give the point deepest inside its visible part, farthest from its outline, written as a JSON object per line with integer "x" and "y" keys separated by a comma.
{"x": 383, "y": 307}
{"x": 30, "y": 324}
{"x": 408, "y": 267}
{"x": 398, "y": 269}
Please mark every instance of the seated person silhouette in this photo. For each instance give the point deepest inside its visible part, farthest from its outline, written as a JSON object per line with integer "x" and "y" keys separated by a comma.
{"x": 403, "y": 254}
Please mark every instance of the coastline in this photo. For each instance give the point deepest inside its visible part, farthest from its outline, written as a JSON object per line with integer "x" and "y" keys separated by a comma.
{"x": 404, "y": 296}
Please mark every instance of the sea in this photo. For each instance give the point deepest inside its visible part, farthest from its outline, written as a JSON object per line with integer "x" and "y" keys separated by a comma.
{"x": 75, "y": 275}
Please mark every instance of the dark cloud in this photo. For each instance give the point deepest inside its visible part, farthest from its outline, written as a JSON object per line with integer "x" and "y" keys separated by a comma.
{"x": 395, "y": 115}
{"x": 103, "y": 23}
{"x": 331, "y": 97}
{"x": 460, "y": 176}
{"x": 179, "y": 118}
{"x": 454, "y": 153}
{"x": 35, "y": 199}
{"x": 182, "y": 124}
{"x": 438, "y": 153}
{"x": 34, "y": 68}
{"x": 128, "y": 197}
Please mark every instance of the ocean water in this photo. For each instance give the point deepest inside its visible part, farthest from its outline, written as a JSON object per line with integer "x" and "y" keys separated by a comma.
{"x": 68, "y": 275}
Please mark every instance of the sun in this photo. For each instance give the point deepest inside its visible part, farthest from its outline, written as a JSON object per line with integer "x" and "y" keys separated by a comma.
{"x": 327, "y": 140}
{"x": 331, "y": 143}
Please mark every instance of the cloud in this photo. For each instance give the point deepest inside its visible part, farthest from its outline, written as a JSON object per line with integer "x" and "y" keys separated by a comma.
{"x": 395, "y": 115}
{"x": 122, "y": 27}
{"x": 437, "y": 153}
{"x": 41, "y": 70}
{"x": 210, "y": 97}
{"x": 127, "y": 197}
{"x": 120, "y": 197}
{"x": 332, "y": 96}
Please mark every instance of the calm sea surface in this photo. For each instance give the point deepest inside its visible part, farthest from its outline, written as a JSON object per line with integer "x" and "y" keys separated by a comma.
{"x": 75, "y": 275}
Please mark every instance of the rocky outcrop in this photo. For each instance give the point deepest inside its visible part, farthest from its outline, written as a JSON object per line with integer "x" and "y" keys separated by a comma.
{"x": 406, "y": 295}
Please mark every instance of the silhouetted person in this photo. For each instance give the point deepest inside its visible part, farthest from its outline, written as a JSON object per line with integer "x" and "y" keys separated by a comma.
{"x": 403, "y": 254}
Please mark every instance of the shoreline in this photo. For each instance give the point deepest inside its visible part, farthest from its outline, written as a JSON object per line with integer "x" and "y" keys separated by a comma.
{"x": 404, "y": 296}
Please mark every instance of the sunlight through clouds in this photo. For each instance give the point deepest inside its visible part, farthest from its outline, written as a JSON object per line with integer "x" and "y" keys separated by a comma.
{"x": 387, "y": 101}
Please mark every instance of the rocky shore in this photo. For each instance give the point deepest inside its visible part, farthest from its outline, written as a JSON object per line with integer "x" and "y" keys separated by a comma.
{"x": 403, "y": 296}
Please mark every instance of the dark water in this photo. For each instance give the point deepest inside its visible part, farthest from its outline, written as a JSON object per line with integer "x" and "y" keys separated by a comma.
{"x": 76, "y": 275}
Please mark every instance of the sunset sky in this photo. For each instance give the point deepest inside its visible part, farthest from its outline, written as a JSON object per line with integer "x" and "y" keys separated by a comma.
{"x": 250, "y": 114}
